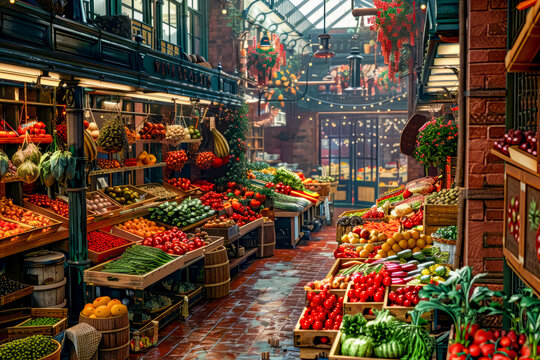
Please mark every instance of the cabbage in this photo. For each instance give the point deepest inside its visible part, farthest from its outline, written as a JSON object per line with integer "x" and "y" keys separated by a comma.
{"x": 29, "y": 153}
{"x": 28, "y": 172}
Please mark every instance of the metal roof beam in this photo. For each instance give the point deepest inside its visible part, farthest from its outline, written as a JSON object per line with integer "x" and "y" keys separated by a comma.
{"x": 338, "y": 5}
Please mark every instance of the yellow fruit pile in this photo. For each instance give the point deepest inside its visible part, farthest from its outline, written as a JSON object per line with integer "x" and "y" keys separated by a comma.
{"x": 411, "y": 239}
{"x": 103, "y": 307}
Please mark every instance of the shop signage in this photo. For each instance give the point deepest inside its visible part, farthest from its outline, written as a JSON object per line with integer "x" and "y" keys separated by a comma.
{"x": 182, "y": 73}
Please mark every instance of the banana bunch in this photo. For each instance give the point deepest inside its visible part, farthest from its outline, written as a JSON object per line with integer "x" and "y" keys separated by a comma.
{"x": 221, "y": 146}
{"x": 90, "y": 147}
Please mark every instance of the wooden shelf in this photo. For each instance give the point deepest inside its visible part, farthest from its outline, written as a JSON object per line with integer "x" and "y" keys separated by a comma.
{"x": 63, "y": 233}
{"x": 237, "y": 261}
{"x": 125, "y": 169}
{"x": 20, "y": 140}
{"x": 522, "y": 57}
{"x": 511, "y": 161}
{"x": 165, "y": 142}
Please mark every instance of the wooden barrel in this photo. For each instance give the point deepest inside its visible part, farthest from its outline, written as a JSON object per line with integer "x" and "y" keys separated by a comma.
{"x": 45, "y": 270}
{"x": 267, "y": 240}
{"x": 114, "y": 331}
{"x": 217, "y": 275}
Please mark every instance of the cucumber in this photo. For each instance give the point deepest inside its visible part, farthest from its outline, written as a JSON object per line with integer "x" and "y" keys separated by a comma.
{"x": 426, "y": 264}
{"x": 415, "y": 272}
{"x": 429, "y": 258}
{"x": 393, "y": 257}
{"x": 405, "y": 254}
{"x": 415, "y": 262}
{"x": 419, "y": 256}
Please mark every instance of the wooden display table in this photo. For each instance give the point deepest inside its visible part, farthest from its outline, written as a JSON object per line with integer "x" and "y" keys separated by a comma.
{"x": 291, "y": 222}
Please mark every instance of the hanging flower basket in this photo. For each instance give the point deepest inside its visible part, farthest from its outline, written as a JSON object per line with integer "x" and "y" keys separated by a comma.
{"x": 395, "y": 26}
{"x": 262, "y": 61}
{"x": 436, "y": 140}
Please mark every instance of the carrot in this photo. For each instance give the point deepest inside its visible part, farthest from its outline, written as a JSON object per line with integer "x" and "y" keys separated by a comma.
{"x": 525, "y": 4}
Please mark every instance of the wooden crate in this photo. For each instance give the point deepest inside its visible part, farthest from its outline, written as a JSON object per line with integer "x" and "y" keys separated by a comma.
{"x": 436, "y": 216}
{"x": 99, "y": 257}
{"x": 151, "y": 331}
{"x": 144, "y": 197}
{"x": 350, "y": 308}
{"x": 193, "y": 190}
{"x": 19, "y": 238}
{"x": 342, "y": 230}
{"x": 90, "y": 215}
{"x": 174, "y": 194}
{"x": 251, "y": 226}
{"x": 266, "y": 240}
{"x": 337, "y": 292}
{"x": 6, "y": 299}
{"x": 230, "y": 233}
{"x": 126, "y": 235}
{"x": 335, "y": 352}
{"x": 311, "y": 338}
{"x": 96, "y": 277}
{"x": 36, "y": 231}
{"x": 21, "y": 331}
{"x": 402, "y": 312}
{"x": 112, "y": 211}
{"x": 337, "y": 265}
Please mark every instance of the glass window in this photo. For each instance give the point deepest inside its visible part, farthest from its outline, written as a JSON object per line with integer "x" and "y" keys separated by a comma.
{"x": 133, "y": 9}
{"x": 170, "y": 21}
{"x": 100, "y": 7}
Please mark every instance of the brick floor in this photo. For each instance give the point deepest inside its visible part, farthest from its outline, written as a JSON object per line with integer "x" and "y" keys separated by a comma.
{"x": 266, "y": 300}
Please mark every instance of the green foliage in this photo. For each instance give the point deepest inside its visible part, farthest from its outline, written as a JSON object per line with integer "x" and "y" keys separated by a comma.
{"x": 237, "y": 168}
{"x": 436, "y": 140}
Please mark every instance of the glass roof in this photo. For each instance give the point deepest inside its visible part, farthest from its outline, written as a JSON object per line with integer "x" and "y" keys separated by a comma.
{"x": 338, "y": 12}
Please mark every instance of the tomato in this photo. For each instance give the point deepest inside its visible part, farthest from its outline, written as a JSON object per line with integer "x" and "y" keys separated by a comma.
{"x": 317, "y": 325}
{"x": 317, "y": 300}
{"x": 329, "y": 323}
{"x": 456, "y": 348}
{"x": 339, "y": 319}
{"x": 378, "y": 297}
{"x": 522, "y": 339}
{"x": 328, "y": 304}
{"x": 340, "y": 300}
{"x": 505, "y": 341}
{"x": 407, "y": 303}
{"x": 475, "y": 350}
{"x": 304, "y": 325}
{"x": 387, "y": 281}
{"x": 310, "y": 295}
{"x": 392, "y": 296}
{"x": 481, "y": 336}
{"x": 399, "y": 300}
{"x": 487, "y": 349}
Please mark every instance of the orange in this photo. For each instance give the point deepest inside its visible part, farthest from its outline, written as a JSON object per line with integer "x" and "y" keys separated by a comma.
{"x": 118, "y": 309}
{"x": 429, "y": 240}
{"x": 411, "y": 243}
{"x": 395, "y": 248}
{"x": 87, "y": 311}
{"x": 407, "y": 235}
{"x": 404, "y": 244}
{"x": 415, "y": 234}
{"x": 416, "y": 249}
{"x": 100, "y": 301}
{"x": 421, "y": 243}
{"x": 102, "y": 312}
{"x": 386, "y": 247}
{"x": 93, "y": 316}
{"x": 111, "y": 303}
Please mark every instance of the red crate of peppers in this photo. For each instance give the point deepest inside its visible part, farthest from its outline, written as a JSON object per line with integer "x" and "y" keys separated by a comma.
{"x": 103, "y": 246}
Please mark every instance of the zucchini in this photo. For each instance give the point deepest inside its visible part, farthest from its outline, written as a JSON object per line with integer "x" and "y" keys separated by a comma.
{"x": 415, "y": 262}
{"x": 419, "y": 256}
{"x": 288, "y": 206}
{"x": 414, "y": 272}
{"x": 393, "y": 257}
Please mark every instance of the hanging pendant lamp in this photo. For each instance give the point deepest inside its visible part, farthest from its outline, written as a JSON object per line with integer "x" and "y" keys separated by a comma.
{"x": 355, "y": 68}
{"x": 324, "y": 40}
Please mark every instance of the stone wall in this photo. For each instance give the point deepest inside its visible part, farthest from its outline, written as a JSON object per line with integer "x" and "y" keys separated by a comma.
{"x": 486, "y": 116}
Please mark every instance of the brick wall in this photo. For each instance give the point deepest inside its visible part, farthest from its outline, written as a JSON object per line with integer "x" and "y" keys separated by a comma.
{"x": 221, "y": 44}
{"x": 296, "y": 142}
{"x": 486, "y": 116}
